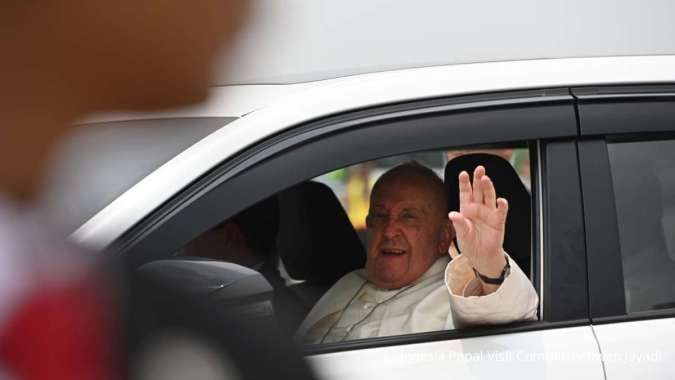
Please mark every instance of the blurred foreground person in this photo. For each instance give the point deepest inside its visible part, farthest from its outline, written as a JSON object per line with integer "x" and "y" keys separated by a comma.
{"x": 61, "y": 60}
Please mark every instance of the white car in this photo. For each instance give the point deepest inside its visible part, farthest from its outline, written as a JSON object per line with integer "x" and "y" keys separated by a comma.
{"x": 600, "y": 133}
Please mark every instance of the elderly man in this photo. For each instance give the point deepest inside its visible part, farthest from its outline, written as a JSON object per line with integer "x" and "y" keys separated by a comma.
{"x": 410, "y": 284}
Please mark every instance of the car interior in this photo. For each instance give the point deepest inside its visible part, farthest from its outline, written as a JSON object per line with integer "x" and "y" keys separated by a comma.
{"x": 316, "y": 243}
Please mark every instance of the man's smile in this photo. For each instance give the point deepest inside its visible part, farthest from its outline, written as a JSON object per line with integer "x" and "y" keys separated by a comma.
{"x": 393, "y": 252}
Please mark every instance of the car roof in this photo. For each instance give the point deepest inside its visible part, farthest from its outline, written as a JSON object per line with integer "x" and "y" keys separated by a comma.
{"x": 329, "y": 97}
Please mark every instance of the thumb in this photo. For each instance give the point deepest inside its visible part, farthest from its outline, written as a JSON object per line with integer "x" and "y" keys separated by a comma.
{"x": 462, "y": 225}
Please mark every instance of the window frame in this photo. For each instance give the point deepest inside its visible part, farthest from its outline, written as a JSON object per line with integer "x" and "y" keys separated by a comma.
{"x": 607, "y": 115}
{"x": 564, "y": 270}
{"x": 533, "y": 115}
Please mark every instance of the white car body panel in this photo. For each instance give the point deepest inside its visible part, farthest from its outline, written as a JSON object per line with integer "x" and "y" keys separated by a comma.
{"x": 566, "y": 353}
{"x": 339, "y": 95}
{"x": 638, "y": 349}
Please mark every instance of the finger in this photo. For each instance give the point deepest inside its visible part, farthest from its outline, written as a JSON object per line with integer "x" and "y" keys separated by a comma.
{"x": 452, "y": 251}
{"x": 489, "y": 192}
{"x": 461, "y": 224}
{"x": 465, "y": 192}
{"x": 478, "y": 174}
{"x": 502, "y": 209}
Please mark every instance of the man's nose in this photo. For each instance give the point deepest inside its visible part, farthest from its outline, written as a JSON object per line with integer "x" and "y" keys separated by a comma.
{"x": 391, "y": 228}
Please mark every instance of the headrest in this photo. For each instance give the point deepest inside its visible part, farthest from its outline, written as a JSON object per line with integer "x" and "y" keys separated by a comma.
{"x": 517, "y": 240}
{"x": 316, "y": 241}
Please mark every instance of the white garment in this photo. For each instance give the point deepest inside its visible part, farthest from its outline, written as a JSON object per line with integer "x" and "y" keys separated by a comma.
{"x": 354, "y": 308}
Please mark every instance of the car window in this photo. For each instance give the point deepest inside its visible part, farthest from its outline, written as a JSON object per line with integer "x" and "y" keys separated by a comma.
{"x": 644, "y": 192}
{"x": 320, "y": 237}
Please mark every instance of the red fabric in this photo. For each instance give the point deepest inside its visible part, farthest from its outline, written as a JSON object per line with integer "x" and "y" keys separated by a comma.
{"x": 62, "y": 333}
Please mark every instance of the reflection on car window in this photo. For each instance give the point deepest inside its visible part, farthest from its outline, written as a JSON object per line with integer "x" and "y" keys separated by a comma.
{"x": 644, "y": 191}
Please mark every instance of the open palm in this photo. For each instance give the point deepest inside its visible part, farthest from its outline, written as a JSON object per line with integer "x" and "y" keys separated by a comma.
{"x": 480, "y": 223}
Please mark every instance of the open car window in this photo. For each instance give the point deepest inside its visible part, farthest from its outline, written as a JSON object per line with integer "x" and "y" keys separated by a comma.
{"x": 307, "y": 238}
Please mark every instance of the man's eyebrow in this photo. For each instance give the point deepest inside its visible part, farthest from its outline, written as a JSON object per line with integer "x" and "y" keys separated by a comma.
{"x": 414, "y": 209}
{"x": 377, "y": 206}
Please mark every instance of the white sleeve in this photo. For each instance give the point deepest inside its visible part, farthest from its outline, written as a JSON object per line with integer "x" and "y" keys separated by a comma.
{"x": 514, "y": 300}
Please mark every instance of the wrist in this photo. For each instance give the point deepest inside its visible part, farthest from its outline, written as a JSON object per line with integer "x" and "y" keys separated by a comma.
{"x": 493, "y": 266}
{"x": 496, "y": 274}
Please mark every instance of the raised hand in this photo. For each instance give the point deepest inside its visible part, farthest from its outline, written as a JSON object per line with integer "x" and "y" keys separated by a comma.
{"x": 480, "y": 223}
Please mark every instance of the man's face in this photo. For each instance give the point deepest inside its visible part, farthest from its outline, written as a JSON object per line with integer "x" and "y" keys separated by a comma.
{"x": 408, "y": 232}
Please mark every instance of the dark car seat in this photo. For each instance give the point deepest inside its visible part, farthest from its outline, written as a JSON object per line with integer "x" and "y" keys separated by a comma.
{"x": 517, "y": 240}
{"x": 316, "y": 241}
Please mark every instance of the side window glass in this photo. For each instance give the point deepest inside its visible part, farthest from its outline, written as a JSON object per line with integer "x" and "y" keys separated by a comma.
{"x": 644, "y": 192}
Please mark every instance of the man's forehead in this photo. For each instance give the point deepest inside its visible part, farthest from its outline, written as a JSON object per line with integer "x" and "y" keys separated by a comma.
{"x": 402, "y": 184}
{"x": 401, "y": 196}
{"x": 402, "y": 204}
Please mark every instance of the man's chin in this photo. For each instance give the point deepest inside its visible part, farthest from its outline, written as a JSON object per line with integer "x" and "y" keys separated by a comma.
{"x": 388, "y": 272}
{"x": 386, "y": 281}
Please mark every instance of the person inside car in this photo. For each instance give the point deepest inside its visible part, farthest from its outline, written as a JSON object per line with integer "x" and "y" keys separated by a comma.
{"x": 247, "y": 239}
{"x": 414, "y": 279}
{"x": 250, "y": 239}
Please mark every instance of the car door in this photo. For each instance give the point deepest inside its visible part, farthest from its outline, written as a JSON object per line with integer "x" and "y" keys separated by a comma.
{"x": 627, "y": 169}
{"x": 560, "y": 345}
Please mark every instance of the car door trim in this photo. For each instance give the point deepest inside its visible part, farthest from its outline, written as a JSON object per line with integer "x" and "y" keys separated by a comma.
{"x": 433, "y": 336}
{"x": 605, "y": 273}
{"x": 565, "y": 280}
{"x": 540, "y": 225}
{"x": 607, "y": 110}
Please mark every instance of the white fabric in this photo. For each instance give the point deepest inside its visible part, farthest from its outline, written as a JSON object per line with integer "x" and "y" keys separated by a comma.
{"x": 446, "y": 296}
